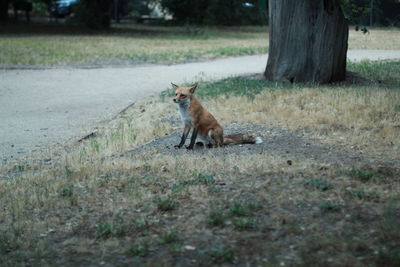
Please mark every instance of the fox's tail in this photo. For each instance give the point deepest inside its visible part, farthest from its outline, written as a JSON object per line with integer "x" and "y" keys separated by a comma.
{"x": 236, "y": 139}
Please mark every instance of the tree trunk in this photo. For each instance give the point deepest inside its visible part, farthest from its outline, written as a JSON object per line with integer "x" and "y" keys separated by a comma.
{"x": 308, "y": 41}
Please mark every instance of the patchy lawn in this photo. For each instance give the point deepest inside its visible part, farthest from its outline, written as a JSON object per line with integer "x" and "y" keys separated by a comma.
{"x": 322, "y": 190}
{"x": 56, "y": 45}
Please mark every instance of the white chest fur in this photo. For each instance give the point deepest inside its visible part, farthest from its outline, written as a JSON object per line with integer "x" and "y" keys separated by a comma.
{"x": 185, "y": 116}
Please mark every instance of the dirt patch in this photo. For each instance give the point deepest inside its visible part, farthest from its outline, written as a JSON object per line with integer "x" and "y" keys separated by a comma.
{"x": 291, "y": 146}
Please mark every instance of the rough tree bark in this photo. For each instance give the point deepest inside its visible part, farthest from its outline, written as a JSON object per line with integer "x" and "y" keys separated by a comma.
{"x": 308, "y": 41}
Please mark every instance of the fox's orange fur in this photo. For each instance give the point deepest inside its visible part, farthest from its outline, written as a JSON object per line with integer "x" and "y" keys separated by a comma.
{"x": 204, "y": 125}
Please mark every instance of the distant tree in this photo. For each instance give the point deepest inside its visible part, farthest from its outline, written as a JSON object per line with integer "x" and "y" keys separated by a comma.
{"x": 214, "y": 12}
{"x": 4, "y": 10}
{"x": 356, "y": 11}
{"x": 308, "y": 41}
{"x": 372, "y": 12}
{"x": 95, "y": 14}
{"x": 386, "y": 12}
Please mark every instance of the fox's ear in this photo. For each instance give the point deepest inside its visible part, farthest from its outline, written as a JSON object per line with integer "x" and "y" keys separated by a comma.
{"x": 175, "y": 86}
{"x": 193, "y": 88}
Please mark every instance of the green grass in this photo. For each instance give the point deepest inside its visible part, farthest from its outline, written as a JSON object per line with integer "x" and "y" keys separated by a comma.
{"x": 135, "y": 44}
{"x": 139, "y": 249}
{"x": 166, "y": 204}
{"x": 106, "y": 230}
{"x": 363, "y": 175}
{"x": 170, "y": 237}
{"x": 319, "y": 184}
{"x": 386, "y": 72}
{"x": 216, "y": 218}
{"x": 222, "y": 254}
{"x": 235, "y": 86}
{"x": 329, "y": 206}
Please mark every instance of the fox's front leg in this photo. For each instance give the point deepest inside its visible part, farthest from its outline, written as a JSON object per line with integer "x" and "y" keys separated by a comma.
{"x": 186, "y": 131}
{"x": 193, "y": 139}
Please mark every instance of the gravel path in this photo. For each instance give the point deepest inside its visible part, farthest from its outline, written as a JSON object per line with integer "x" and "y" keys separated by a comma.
{"x": 39, "y": 107}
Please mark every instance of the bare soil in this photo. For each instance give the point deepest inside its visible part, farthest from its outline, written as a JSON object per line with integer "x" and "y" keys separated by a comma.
{"x": 290, "y": 145}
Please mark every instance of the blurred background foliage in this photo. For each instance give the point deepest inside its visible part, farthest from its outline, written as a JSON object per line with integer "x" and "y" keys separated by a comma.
{"x": 100, "y": 13}
{"x": 215, "y": 12}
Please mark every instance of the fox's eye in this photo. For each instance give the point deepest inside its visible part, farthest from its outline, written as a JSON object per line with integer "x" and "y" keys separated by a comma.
{"x": 176, "y": 94}
{"x": 183, "y": 96}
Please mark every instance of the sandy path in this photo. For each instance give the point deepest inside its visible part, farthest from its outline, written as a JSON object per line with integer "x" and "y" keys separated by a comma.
{"x": 42, "y": 107}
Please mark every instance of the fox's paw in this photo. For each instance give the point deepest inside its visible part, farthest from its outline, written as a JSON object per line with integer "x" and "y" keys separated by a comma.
{"x": 189, "y": 147}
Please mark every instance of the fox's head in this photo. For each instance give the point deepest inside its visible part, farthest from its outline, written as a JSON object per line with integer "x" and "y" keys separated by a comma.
{"x": 183, "y": 94}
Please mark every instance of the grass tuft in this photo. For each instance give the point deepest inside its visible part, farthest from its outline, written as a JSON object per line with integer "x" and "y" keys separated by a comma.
{"x": 139, "y": 249}
{"x": 318, "y": 184}
{"x": 363, "y": 175}
{"x": 222, "y": 254}
{"x": 170, "y": 237}
{"x": 67, "y": 191}
{"x": 244, "y": 223}
{"x": 205, "y": 178}
{"x": 216, "y": 218}
{"x": 329, "y": 206}
{"x": 166, "y": 204}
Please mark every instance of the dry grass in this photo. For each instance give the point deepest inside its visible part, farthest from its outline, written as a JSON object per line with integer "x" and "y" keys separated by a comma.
{"x": 366, "y": 117}
{"x": 378, "y": 38}
{"x": 203, "y": 209}
{"x": 128, "y": 45}
{"x": 133, "y": 44}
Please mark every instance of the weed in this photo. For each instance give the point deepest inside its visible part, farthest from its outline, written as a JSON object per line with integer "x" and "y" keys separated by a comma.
{"x": 243, "y": 209}
{"x": 215, "y": 189}
{"x": 362, "y": 194}
{"x": 388, "y": 257}
{"x": 68, "y": 171}
{"x": 363, "y": 175}
{"x": 390, "y": 224}
{"x": 147, "y": 166}
{"x": 170, "y": 237}
{"x": 66, "y": 191}
{"x": 216, "y": 218}
{"x": 178, "y": 187}
{"x": 329, "y": 206}
{"x": 205, "y": 178}
{"x": 318, "y": 184}
{"x": 8, "y": 243}
{"x": 140, "y": 224}
{"x": 140, "y": 249}
{"x": 240, "y": 209}
{"x": 175, "y": 247}
{"x": 95, "y": 145}
{"x": 166, "y": 204}
{"x": 244, "y": 223}
{"x": 106, "y": 230}
{"x": 222, "y": 254}
{"x": 19, "y": 167}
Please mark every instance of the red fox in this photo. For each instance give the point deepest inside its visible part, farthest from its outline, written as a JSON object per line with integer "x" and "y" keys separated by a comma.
{"x": 204, "y": 125}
